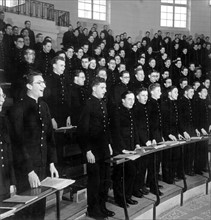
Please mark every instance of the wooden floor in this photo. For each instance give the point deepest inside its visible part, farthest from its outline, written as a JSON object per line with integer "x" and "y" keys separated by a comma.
{"x": 72, "y": 210}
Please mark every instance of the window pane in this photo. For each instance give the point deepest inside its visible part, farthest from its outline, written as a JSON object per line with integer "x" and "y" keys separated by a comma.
{"x": 88, "y": 14}
{"x": 167, "y": 1}
{"x": 181, "y": 2}
{"x": 87, "y": 6}
{"x": 102, "y": 17}
{"x": 96, "y": 15}
{"x": 169, "y": 23}
{"x": 163, "y": 16}
{"x": 103, "y": 9}
{"x": 96, "y": 8}
{"x": 80, "y": 5}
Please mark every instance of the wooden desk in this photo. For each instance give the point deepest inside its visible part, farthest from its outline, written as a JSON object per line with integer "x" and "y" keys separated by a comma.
{"x": 153, "y": 150}
{"x": 41, "y": 193}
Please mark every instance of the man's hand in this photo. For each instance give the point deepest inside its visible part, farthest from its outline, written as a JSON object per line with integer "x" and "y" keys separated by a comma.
{"x": 180, "y": 137}
{"x": 54, "y": 123}
{"x": 148, "y": 143}
{"x": 12, "y": 190}
{"x": 90, "y": 157}
{"x": 34, "y": 180}
{"x": 203, "y": 131}
{"x": 154, "y": 142}
{"x": 68, "y": 122}
{"x": 172, "y": 137}
{"x": 197, "y": 133}
{"x": 110, "y": 149}
{"x": 186, "y": 135}
{"x": 53, "y": 171}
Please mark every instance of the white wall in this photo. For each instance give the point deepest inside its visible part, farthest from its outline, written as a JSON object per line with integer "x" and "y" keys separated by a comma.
{"x": 133, "y": 16}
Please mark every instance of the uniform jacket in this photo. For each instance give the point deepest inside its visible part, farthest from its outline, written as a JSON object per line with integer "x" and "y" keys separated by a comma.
{"x": 93, "y": 128}
{"x": 7, "y": 176}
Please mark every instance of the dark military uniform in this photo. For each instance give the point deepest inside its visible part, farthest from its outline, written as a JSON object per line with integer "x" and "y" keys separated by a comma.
{"x": 142, "y": 124}
{"x": 43, "y": 62}
{"x": 33, "y": 148}
{"x": 187, "y": 124}
{"x": 125, "y": 137}
{"x": 155, "y": 124}
{"x": 171, "y": 157}
{"x": 203, "y": 120}
{"x": 94, "y": 136}
{"x": 78, "y": 100}
{"x": 7, "y": 177}
{"x": 57, "y": 95}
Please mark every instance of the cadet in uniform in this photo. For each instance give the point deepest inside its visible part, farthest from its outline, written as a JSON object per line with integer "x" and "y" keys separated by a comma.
{"x": 94, "y": 136}
{"x": 7, "y": 176}
{"x": 33, "y": 143}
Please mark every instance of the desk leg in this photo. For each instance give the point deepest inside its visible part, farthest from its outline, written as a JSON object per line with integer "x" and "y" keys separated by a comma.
{"x": 156, "y": 180}
{"x": 58, "y": 205}
{"x": 209, "y": 173}
{"x": 123, "y": 189}
{"x": 183, "y": 176}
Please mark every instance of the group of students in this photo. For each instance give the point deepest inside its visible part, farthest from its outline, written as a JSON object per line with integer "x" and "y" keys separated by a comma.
{"x": 120, "y": 98}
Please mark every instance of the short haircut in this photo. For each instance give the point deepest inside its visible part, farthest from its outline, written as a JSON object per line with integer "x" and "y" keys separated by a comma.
{"x": 67, "y": 48}
{"x": 8, "y": 25}
{"x": 77, "y": 72}
{"x": 187, "y": 88}
{"x": 31, "y": 75}
{"x": 171, "y": 88}
{"x": 14, "y": 27}
{"x": 17, "y": 37}
{"x": 85, "y": 56}
{"x": 101, "y": 68}
{"x": 39, "y": 34}
{"x": 124, "y": 94}
{"x": 138, "y": 69}
{"x": 199, "y": 89}
{"x": 59, "y": 52}
{"x": 167, "y": 79}
{"x": 46, "y": 41}
{"x": 183, "y": 79}
{"x": 139, "y": 90}
{"x": 25, "y": 52}
{"x": 27, "y": 21}
{"x": 123, "y": 72}
{"x": 97, "y": 80}
{"x": 56, "y": 58}
{"x": 153, "y": 86}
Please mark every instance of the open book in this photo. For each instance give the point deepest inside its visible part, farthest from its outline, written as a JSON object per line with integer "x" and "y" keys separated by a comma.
{"x": 21, "y": 199}
{"x": 56, "y": 183}
{"x": 6, "y": 212}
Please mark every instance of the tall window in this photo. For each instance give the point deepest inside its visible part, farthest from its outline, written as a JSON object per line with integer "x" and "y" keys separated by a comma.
{"x": 174, "y": 13}
{"x": 92, "y": 9}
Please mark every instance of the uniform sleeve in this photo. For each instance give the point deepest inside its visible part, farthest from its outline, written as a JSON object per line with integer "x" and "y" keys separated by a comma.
{"x": 83, "y": 129}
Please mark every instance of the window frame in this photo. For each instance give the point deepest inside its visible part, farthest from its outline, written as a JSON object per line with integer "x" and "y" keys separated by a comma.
{"x": 92, "y": 13}
{"x": 174, "y": 5}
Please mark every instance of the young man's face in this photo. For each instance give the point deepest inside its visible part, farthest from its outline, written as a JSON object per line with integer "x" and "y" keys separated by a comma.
{"x": 207, "y": 83}
{"x": 192, "y": 67}
{"x": 129, "y": 101}
{"x": 85, "y": 63}
{"x": 112, "y": 65}
{"x": 80, "y": 79}
{"x": 28, "y": 24}
{"x": 125, "y": 78}
{"x": 37, "y": 87}
{"x": 30, "y": 56}
{"x": 189, "y": 93}
{"x": 183, "y": 84}
{"x": 8, "y": 30}
{"x": 59, "y": 67}
{"x": 196, "y": 85}
{"x": 203, "y": 94}
{"x": 85, "y": 48}
{"x": 156, "y": 93}
{"x": 40, "y": 38}
{"x": 185, "y": 72}
{"x": 69, "y": 53}
{"x": 165, "y": 74}
{"x": 92, "y": 64}
{"x": 99, "y": 90}
{"x": 140, "y": 76}
{"x": 168, "y": 83}
{"x": 47, "y": 47}
{"x": 117, "y": 59}
{"x": 152, "y": 63}
{"x": 173, "y": 94}
{"x": 80, "y": 53}
{"x": 121, "y": 67}
{"x": 198, "y": 73}
{"x": 15, "y": 31}
{"x": 142, "y": 97}
{"x": 102, "y": 74}
{"x": 102, "y": 62}
{"x": 19, "y": 43}
{"x": 111, "y": 53}
{"x": 153, "y": 77}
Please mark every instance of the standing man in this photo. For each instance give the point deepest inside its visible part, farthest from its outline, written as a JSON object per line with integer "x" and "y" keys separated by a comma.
{"x": 31, "y": 33}
{"x": 33, "y": 144}
{"x": 93, "y": 131}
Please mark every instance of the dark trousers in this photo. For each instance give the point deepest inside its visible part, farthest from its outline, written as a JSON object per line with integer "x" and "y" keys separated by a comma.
{"x": 141, "y": 166}
{"x": 98, "y": 184}
{"x": 201, "y": 154}
{"x": 37, "y": 210}
{"x": 152, "y": 177}
{"x": 130, "y": 176}
{"x": 189, "y": 154}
